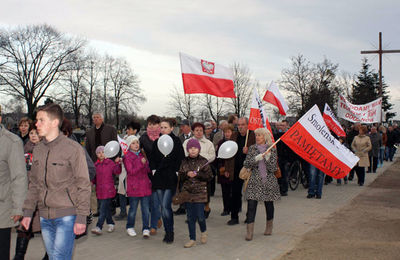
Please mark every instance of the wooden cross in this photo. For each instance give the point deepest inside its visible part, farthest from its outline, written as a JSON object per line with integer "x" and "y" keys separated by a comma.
{"x": 380, "y": 52}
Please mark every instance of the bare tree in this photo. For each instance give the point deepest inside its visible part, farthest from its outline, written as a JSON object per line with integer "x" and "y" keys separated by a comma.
{"x": 217, "y": 107}
{"x": 92, "y": 80}
{"x": 297, "y": 81}
{"x": 183, "y": 104}
{"x": 75, "y": 90}
{"x": 106, "y": 65}
{"x": 32, "y": 58}
{"x": 124, "y": 86}
{"x": 243, "y": 89}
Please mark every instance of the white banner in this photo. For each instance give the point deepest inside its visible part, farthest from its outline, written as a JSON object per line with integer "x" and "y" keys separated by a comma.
{"x": 368, "y": 113}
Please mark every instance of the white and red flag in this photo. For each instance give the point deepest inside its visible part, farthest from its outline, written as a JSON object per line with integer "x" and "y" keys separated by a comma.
{"x": 201, "y": 76}
{"x": 274, "y": 96}
{"x": 123, "y": 144}
{"x": 332, "y": 122}
{"x": 258, "y": 118}
{"x": 310, "y": 138}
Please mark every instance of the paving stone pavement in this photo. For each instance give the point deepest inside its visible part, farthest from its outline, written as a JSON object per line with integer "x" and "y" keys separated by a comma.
{"x": 294, "y": 216}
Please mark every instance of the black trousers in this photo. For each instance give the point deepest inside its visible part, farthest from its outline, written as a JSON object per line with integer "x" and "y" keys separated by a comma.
{"x": 373, "y": 161}
{"x": 5, "y": 238}
{"x": 283, "y": 180}
{"x": 236, "y": 201}
{"x": 252, "y": 209}
{"x": 226, "y": 195}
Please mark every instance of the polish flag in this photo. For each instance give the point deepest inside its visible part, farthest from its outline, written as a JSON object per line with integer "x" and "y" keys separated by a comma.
{"x": 310, "y": 138}
{"x": 332, "y": 122}
{"x": 201, "y": 76}
{"x": 258, "y": 118}
{"x": 274, "y": 96}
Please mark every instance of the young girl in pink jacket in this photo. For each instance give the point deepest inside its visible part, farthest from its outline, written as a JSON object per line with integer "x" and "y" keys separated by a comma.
{"x": 105, "y": 189}
{"x": 138, "y": 186}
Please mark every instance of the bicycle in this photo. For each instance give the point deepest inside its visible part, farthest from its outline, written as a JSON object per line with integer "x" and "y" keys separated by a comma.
{"x": 297, "y": 175}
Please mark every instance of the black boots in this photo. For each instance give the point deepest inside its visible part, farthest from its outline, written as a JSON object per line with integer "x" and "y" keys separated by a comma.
{"x": 20, "y": 248}
{"x": 169, "y": 237}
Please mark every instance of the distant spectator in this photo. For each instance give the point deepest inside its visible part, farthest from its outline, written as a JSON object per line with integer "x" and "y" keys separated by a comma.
{"x": 23, "y": 129}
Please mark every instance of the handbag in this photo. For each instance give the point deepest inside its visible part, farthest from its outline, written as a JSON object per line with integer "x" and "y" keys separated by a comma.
{"x": 180, "y": 197}
{"x": 278, "y": 172}
{"x": 245, "y": 174}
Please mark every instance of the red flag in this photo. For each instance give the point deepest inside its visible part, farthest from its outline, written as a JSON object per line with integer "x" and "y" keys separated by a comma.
{"x": 274, "y": 96}
{"x": 332, "y": 122}
{"x": 310, "y": 138}
{"x": 258, "y": 118}
{"x": 201, "y": 76}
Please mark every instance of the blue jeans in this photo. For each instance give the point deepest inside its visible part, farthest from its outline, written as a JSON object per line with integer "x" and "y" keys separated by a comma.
{"x": 155, "y": 210}
{"x": 105, "y": 213}
{"x": 122, "y": 204}
{"x": 145, "y": 208}
{"x": 165, "y": 199}
{"x": 316, "y": 178}
{"x": 381, "y": 156}
{"x": 58, "y": 236}
{"x": 195, "y": 211}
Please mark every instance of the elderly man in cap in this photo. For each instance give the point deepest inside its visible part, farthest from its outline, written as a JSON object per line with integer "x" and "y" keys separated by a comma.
{"x": 13, "y": 186}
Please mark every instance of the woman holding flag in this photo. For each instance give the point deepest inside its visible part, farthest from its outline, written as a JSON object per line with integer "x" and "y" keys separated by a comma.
{"x": 262, "y": 185}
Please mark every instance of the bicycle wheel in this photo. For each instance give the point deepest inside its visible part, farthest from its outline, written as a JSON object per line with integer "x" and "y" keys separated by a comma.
{"x": 294, "y": 175}
{"x": 304, "y": 178}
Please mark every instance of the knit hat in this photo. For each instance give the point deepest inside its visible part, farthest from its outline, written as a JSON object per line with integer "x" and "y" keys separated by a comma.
{"x": 130, "y": 139}
{"x": 193, "y": 143}
{"x": 100, "y": 149}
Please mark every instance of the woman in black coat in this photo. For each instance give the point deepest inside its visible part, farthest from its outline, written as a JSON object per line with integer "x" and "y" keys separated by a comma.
{"x": 164, "y": 179}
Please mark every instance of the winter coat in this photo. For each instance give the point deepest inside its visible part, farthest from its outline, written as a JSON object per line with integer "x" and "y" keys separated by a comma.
{"x": 104, "y": 180}
{"x": 166, "y": 167}
{"x": 361, "y": 145}
{"x": 196, "y": 186}
{"x": 137, "y": 181}
{"x": 376, "y": 141}
{"x": 59, "y": 180}
{"x": 207, "y": 148}
{"x": 227, "y": 165}
{"x": 108, "y": 133}
{"x": 13, "y": 177}
{"x": 146, "y": 144}
{"x": 256, "y": 188}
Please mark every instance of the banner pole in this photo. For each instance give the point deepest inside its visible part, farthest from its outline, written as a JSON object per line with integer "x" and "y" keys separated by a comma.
{"x": 247, "y": 137}
{"x": 272, "y": 146}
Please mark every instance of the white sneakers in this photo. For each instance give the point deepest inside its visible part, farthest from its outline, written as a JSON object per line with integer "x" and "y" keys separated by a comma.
{"x": 146, "y": 233}
{"x": 96, "y": 231}
{"x": 131, "y": 232}
{"x": 111, "y": 228}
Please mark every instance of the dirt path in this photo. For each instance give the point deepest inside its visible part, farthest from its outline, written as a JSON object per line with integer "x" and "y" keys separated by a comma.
{"x": 368, "y": 228}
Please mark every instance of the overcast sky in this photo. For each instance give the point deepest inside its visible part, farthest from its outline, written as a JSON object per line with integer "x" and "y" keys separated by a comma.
{"x": 260, "y": 34}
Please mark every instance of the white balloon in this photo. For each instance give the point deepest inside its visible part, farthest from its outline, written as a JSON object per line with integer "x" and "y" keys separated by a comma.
{"x": 165, "y": 144}
{"x": 111, "y": 149}
{"x": 227, "y": 150}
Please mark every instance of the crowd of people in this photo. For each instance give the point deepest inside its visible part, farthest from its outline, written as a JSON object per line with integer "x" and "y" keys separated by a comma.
{"x": 58, "y": 184}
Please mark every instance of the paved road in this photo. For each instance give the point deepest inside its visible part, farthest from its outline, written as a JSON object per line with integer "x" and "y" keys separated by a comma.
{"x": 294, "y": 216}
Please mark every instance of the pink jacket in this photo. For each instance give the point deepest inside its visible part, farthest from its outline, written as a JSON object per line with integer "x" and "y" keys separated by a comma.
{"x": 104, "y": 180}
{"x": 138, "y": 183}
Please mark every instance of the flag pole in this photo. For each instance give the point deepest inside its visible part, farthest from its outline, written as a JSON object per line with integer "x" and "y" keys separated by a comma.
{"x": 272, "y": 146}
{"x": 247, "y": 137}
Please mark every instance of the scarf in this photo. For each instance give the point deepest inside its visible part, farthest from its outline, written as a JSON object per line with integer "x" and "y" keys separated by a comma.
{"x": 153, "y": 134}
{"x": 262, "y": 167}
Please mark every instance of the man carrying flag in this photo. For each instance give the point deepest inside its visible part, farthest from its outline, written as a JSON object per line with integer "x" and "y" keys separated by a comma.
{"x": 201, "y": 76}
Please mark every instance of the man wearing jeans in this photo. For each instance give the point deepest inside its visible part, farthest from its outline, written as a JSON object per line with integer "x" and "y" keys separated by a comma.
{"x": 59, "y": 185}
{"x": 13, "y": 186}
{"x": 316, "y": 178}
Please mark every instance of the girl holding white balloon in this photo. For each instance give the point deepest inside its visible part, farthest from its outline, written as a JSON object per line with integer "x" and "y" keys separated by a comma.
{"x": 165, "y": 160}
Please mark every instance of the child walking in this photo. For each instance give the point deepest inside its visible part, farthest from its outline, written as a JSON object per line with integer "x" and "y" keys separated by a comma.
{"x": 105, "y": 189}
{"x": 194, "y": 174}
{"x": 138, "y": 186}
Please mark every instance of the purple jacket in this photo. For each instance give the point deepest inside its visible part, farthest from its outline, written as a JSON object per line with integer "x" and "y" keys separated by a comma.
{"x": 138, "y": 183}
{"x": 104, "y": 180}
